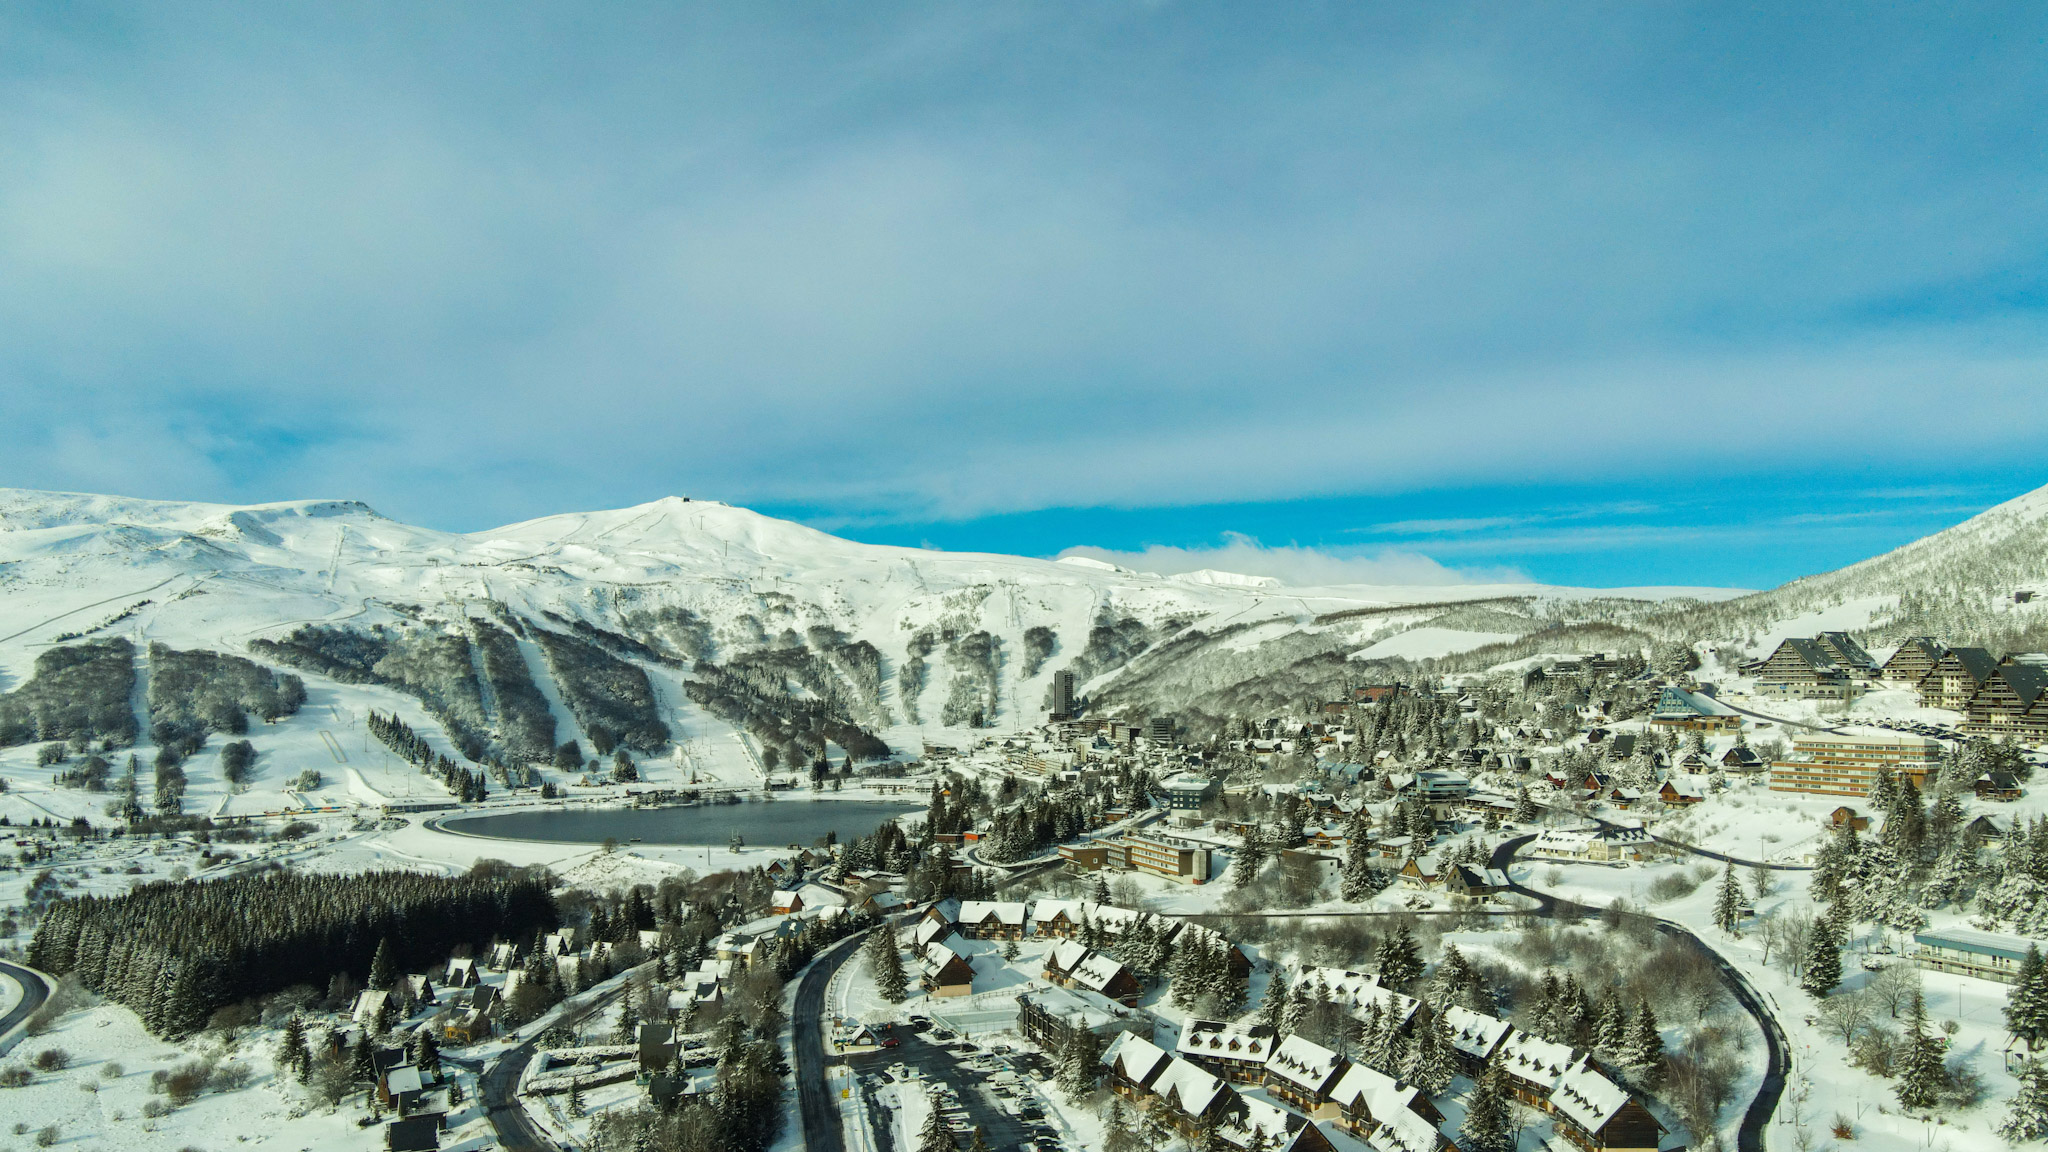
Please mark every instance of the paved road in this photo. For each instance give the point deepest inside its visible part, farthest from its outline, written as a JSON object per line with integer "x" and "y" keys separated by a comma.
{"x": 34, "y": 990}
{"x": 1777, "y": 1066}
{"x": 1684, "y": 847}
{"x": 498, "y": 1082}
{"x": 814, "y": 1095}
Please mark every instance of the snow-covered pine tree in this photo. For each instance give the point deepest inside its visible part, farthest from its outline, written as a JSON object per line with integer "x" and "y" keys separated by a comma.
{"x": 1251, "y": 856}
{"x": 1728, "y": 901}
{"x": 1080, "y": 1060}
{"x": 1645, "y": 1052}
{"x": 1489, "y": 1122}
{"x": 1273, "y": 1009}
{"x": 1398, "y": 958}
{"x": 2026, "y": 1117}
{"x": 383, "y": 967}
{"x": 292, "y": 1052}
{"x": 1823, "y": 969}
{"x": 2026, "y": 1006}
{"x": 1921, "y": 1075}
{"x": 887, "y": 966}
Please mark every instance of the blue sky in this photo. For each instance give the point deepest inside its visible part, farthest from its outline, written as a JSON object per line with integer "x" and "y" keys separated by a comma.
{"x": 1603, "y": 295}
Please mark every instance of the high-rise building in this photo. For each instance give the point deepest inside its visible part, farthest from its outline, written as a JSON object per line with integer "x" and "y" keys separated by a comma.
{"x": 1834, "y": 765}
{"x": 1062, "y": 694}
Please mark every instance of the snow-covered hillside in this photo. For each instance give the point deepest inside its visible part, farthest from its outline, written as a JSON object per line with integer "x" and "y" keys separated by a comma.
{"x": 904, "y": 643}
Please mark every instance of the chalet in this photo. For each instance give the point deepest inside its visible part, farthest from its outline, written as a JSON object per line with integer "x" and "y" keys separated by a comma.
{"x": 1356, "y": 991}
{"x": 1998, "y": 786}
{"x": 1600, "y": 845}
{"x": 466, "y": 1027}
{"x": 461, "y": 973}
{"x": 1534, "y": 1066}
{"x": 418, "y": 988}
{"x": 1055, "y": 918}
{"x": 944, "y": 972}
{"x": 1911, "y": 663}
{"x": 1596, "y": 1115}
{"x": 1742, "y": 758}
{"x": 1190, "y": 1100}
{"x": 1134, "y": 1063}
{"x": 1955, "y": 678}
{"x": 370, "y": 1003}
{"x": 785, "y": 902}
{"x": 1385, "y": 1112}
{"x": 1847, "y": 816}
{"x": 1422, "y": 872}
{"x": 1622, "y": 746}
{"x": 1072, "y": 966}
{"x": 2004, "y": 705}
{"x": 883, "y": 904}
{"x": 1683, "y": 790}
{"x": 1238, "y": 1053}
{"x": 1301, "y": 1072}
{"x": 1257, "y": 1126}
{"x": 1985, "y": 828}
{"x": 1475, "y": 1036}
{"x": 929, "y": 932}
{"x": 992, "y": 920}
{"x": 1623, "y": 798}
{"x": 400, "y": 1089}
{"x": 1472, "y": 882}
{"x": 1801, "y": 669}
{"x": 503, "y": 956}
{"x": 655, "y": 1044}
{"x": 1679, "y": 709}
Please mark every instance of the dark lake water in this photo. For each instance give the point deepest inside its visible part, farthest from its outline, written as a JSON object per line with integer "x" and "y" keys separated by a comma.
{"x": 762, "y": 823}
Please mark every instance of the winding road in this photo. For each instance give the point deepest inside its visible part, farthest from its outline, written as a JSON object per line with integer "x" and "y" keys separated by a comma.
{"x": 822, "y": 1132}
{"x": 35, "y": 988}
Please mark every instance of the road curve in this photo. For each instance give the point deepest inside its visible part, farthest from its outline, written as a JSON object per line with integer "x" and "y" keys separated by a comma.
{"x": 1777, "y": 1066}
{"x": 35, "y": 988}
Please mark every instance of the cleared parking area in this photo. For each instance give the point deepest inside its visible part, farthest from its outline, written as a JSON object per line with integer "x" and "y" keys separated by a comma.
{"x": 979, "y": 1089}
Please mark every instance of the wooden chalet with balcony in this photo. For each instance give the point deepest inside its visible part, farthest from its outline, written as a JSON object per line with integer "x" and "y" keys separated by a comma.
{"x": 1803, "y": 669}
{"x": 1913, "y": 661}
{"x": 2009, "y": 704}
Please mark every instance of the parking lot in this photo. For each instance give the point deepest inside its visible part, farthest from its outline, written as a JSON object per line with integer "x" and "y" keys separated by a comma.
{"x": 993, "y": 1092}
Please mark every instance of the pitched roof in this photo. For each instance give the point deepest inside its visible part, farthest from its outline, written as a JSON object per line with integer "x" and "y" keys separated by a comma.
{"x": 1066, "y": 956}
{"x": 1379, "y": 1094}
{"x": 1536, "y": 1060}
{"x": 1196, "y": 1088}
{"x": 1474, "y": 1033}
{"x": 1097, "y": 972}
{"x": 1303, "y": 1063}
{"x": 1135, "y": 1057}
{"x": 1046, "y": 911}
{"x": 981, "y": 911}
{"x": 1589, "y": 1099}
{"x": 1247, "y": 1042}
{"x": 1405, "y": 1131}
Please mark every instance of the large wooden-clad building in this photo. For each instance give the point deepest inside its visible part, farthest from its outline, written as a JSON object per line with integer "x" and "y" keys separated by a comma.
{"x": 2009, "y": 704}
{"x": 1955, "y": 678}
{"x": 1913, "y": 661}
{"x": 1826, "y": 764}
{"x": 1599, "y": 1116}
{"x": 1803, "y": 669}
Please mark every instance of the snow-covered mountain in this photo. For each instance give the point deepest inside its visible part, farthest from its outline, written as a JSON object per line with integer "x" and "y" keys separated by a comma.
{"x": 901, "y": 642}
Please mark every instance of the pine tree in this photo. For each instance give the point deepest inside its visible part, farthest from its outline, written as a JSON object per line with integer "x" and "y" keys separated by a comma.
{"x": 1728, "y": 902}
{"x": 2026, "y": 1118}
{"x": 1921, "y": 1075}
{"x": 934, "y": 1136}
{"x": 362, "y": 1061}
{"x": 1823, "y": 959}
{"x": 427, "y": 1054}
{"x": 1251, "y": 856}
{"x": 887, "y": 966}
{"x": 1080, "y": 1058}
{"x": 1117, "y": 1133}
{"x": 1489, "y": 1123}
{"x": 1274, "y": 1010}
{"x": 292, "y": 1052}
{"x": 1100, "y": 892}
{"x": 1645, "y": 1052}
{"x": 1432, "y": 1060}
{"x": 1360, "y": 879}
{"x": 1613, "y": 1027}
{"x": 1525, "y": 808}
{"x": 575, "y": 1099}
{"x": 1398, "y": 958}
{"x": 383, "y": 970}
{"x": 2026, "y": 1006}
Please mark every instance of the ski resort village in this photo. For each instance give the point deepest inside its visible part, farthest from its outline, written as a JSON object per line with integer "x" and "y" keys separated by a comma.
{"x": 682, "y": 828}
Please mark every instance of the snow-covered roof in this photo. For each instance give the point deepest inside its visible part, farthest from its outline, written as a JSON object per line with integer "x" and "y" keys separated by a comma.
{"x": 1197, "y": 1089}
{"x": 1136, "y": 1057}
{"x": 1379, "y": 1094}
{"x": 1536, "y": 1060}
{"x": 404, "y": 1078}
{"x": 1405, "y": 1131}
{"x": 1066, "y": 955}
{"x": 1248, "y": 1042}
{"x": 783, "y": 898}
{"x": 1345, "y": 986}
{"x": 1589, "y": 1099}
{"x": 1262, "y": 1118}
{"x": 1303, "y": 1063}
{"x": 1097, "y": 971}
{"x": 929, "y": 931}
{"x": 1474, "y": 1033}
{"x": 1002, "y": 911}
{"x": 1046, "y": 911}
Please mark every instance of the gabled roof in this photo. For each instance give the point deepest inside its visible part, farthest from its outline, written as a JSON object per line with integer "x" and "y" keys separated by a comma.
{"x": 1047, "y": 911}
{"x": 1537, "y": 1060}
{"x": 1810, "y": 653}
{"x": 1474, "y": 1033}
{"x": 1380, "y": 1095}
{"x": 1976, "y": 662}
{"x": 1007, "y": 912}
{"x": 1097, "y": 972}
{"x": 1135, "y": 1058}
{"x": 1405, "y": 1131}
{"x": 1197, "y": 1089}
{"x": 2028, "y": 681}
{"x": 1845, "y": 646}
{"x": 1264, "y": 1119}
{"x": 1303, "y": 1063}
{"x": 1066, "y": 956}
{"x": 1589, "y": 1099}
{"x": 929, "y": 931}
{"x": 1252, "y": 1043}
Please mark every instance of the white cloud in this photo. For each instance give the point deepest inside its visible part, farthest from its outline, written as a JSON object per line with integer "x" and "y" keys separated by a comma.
{"x": 1301, "y": 567}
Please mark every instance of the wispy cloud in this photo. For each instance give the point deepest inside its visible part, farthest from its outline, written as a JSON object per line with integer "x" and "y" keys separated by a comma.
{"x": 1301, "y": 567}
